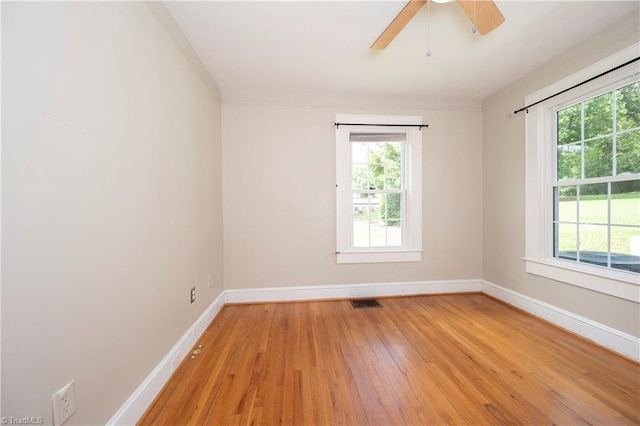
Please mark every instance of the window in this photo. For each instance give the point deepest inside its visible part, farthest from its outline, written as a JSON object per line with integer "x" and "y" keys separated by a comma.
{"x": 583, "y": 181}
{"x": 379, "y": 189}
{"x": 596, "y": 197}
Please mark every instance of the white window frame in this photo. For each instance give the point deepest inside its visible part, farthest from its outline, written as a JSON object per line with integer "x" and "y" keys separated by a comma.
{"x": 411, "y": 250}
{"x": 539, "y": 169}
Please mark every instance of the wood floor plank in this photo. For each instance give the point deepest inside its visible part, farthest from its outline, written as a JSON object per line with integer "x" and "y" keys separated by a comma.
{"x": 450, "y": 359}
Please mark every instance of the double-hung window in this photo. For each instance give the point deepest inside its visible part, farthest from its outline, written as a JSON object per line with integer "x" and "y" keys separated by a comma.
{"x": 596, "y": 190}
{"x": 583, "y": 185}
{"x": 379, "y": 189}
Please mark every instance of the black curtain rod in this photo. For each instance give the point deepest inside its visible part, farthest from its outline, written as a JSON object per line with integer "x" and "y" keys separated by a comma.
{"x": 419, "y": 126}
{"x": 577, "y": 85}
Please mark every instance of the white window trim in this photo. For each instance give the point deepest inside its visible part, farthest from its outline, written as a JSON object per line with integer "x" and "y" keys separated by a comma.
{"x": 538, "y": 175}
{"x": 412, "y": 249}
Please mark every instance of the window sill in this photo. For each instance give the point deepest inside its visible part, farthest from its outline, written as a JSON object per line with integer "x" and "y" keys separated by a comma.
{"x": 625, "y": 285}
{"x": 379, "y": 256}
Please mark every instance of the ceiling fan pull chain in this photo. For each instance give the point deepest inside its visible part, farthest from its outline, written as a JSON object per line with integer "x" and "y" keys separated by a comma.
{"x": 474, "y": 29}
{"x": 428, "y": 29}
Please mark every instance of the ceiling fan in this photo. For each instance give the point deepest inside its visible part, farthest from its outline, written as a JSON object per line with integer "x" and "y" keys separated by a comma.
{"x": 484, "y": 14}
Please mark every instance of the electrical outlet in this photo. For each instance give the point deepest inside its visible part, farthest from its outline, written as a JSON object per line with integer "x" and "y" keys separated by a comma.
{"x": 209, "y": 280}
{"x": 64, "y": 403}
{"x": 193, "y": 294}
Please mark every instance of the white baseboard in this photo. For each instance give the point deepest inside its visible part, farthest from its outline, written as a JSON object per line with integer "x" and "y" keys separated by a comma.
{"x": 135, "y": 406}
{"x": 347, "y": 291}
{"x": 622, "y": 343}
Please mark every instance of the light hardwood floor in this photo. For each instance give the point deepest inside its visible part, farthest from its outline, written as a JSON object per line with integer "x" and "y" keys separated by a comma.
{"x": 451, "y": 359}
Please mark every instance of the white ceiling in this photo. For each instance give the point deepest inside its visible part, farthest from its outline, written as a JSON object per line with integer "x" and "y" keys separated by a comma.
{"x": 322, "y": 47}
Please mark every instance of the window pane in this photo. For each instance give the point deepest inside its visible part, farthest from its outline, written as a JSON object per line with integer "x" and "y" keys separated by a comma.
{"x": 569, "y": 161}
{"x": 625, "y": 203}
{"x": 390, "y": 207}
{"x": 625, "y": 240}
{"x": 569, "y": 123}
{"x": 361, "y": 178}
{"x": 568, "y": 192}
{"x": 598, "y": 158}
{"x": 598, "y": 116}
{"x": 376, "y": 173}
{"x": 565, "y": 236}
{"x": 393, "y": 176}
{"x": 621, "y": 238}
{"x": 628, "y": 152}
{"x": 566, "y": 204}
{"x": 375, "y": 212}
{"x": 594, "y": 203}
{"x": 361, "y": 232}
{"x": 359, "y": 152}
{"x": 394, "y": 233}
{"x": 391, "y": 156}
{"x": 392, "y": 153}
{"x": 594, "y": 244}
{"x": 628, "y": 107}
{"x": 625, "y": 248}
{"x": 378, "y": 234}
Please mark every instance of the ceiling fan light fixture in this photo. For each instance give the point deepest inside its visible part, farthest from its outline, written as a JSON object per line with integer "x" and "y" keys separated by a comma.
{"x": 442, "y": 1}
{"x": 489, "y": 18}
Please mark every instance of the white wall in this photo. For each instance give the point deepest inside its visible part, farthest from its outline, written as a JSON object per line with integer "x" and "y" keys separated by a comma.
{"x": 503, "y": 188}
{"x": 111, "y": 196}
{"x": 279, "y": 194}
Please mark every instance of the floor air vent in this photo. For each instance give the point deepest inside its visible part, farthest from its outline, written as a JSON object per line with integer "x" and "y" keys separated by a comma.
{"x": 366, "y": 303}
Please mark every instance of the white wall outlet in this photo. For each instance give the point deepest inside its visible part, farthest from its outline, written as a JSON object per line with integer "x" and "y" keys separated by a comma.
{"x": 193, "y": 294}
{"x": 64, "y": 403}
{"x": 209, "y": 280}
